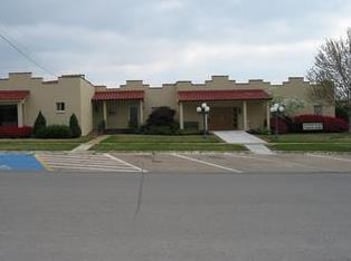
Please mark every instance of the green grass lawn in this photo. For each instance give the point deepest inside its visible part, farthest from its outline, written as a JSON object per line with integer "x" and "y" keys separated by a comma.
{"x": 40, "y": 144}
{"x": 165, "y": 143}
{"x": 325, "y": 142}
{"x": 305, "y": 147}
{"x": 309, "y": 138}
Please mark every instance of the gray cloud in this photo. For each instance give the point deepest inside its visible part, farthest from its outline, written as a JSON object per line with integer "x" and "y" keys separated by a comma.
{"x": 168, "y": 40}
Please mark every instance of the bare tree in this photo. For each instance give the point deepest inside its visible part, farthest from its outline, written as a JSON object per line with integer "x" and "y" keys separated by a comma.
{"x": 331, "y": 72}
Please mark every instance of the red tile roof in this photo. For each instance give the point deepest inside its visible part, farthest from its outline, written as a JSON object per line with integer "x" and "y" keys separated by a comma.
{"x": 221, "y": 95}
{"x": 118, "y": 95}
{"x": 13, "y": 95}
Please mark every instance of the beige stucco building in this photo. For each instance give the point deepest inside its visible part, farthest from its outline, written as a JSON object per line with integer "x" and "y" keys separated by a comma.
{"x": 233, "y": 105}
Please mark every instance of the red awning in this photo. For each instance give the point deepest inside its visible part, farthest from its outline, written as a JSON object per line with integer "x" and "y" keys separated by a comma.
{"x": 223, "y": 95}
{"x": 13, "y": 95}
{"x": 118, "y": 95}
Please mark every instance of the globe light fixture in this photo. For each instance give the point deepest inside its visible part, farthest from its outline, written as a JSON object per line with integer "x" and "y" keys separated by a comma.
{"x": 204, "y": 110}
{"x": 276, "y": 109}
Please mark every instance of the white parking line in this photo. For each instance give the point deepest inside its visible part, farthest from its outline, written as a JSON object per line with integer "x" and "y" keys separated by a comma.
{"x": 124, "y": 162}
{"x": 328, "y": 157}
{"x": 206, "y": 163}
{"x": 251, "y": 157}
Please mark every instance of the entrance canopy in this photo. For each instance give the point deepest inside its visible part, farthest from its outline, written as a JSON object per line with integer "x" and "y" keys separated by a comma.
{"x": 13, "y": 95}
{"x": 118, "y": 95}
{"x": 223, "y": 95}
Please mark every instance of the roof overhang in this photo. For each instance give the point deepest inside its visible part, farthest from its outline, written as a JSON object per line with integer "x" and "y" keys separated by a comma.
{"x": 13, "y": 95}
{"x": 118, "y": 95}
{"x": 223, "y": 95}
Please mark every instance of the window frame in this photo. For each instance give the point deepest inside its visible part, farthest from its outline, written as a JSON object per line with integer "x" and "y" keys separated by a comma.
{"x": 60, "y": 107}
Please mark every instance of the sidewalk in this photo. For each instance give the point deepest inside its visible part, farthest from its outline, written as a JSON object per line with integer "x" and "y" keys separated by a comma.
{"x": 251, "y": 142}
{"x": 86, "y": 146}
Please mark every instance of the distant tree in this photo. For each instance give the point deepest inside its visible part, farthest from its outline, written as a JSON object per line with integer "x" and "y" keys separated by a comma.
{"x": 39, "y": 124}
{"x": 332, "y": 72}
{"x": 291, "y": 104}
{"x": 74, "y": 126}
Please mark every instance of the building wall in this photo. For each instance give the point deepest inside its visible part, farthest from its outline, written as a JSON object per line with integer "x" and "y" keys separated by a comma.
{"x": 85, "y": 119}
{"x": 296, "y": 87}
{"x": 76, "y": 92}
{"x": 45, "y": 94}
{"x": 256, "y": 110}
{"x": 118, "y": 114}
{"x": 256, "y": 114}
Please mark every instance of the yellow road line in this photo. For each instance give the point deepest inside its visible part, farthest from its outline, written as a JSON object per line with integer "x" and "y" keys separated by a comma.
{"x": 43, "y": 163}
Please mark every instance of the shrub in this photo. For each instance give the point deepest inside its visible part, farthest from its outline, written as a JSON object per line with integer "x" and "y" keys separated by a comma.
{"x": 330, "y": 124}
{"x": 74, "y": 126}
{"x": 341, "y": 112}
{"x": 259, "y": 131}
{"x": 15, "y": 132}
{"x": 161, "y": 116}
{"x": 54, "y": 132}
{"x": 39, "y": 123}
{"x": 282, "y": 124}
{"x": 161, "y": 121}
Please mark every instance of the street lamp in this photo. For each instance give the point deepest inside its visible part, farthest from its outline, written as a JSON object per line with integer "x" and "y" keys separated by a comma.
{"x": 276, "y": 109}
{"x": 204, "y": 109}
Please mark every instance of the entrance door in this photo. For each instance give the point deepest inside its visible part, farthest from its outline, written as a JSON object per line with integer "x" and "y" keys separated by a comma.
{"x": 223, "y": 118}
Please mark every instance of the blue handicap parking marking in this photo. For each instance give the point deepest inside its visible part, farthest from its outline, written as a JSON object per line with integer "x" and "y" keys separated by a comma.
{"x": 19, "y": 161}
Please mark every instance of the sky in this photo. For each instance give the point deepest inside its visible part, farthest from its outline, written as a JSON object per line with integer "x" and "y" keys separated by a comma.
{"x": 164, "y": 41}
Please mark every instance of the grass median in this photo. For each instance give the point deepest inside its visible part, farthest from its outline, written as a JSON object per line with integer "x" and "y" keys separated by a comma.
{"x": 165, "y": 143}
{"x": 40, "y": 144}
{"x": 323, "y": 142}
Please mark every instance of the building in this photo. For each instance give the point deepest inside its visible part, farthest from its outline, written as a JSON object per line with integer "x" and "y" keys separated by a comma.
{"x": 234, "y": 106}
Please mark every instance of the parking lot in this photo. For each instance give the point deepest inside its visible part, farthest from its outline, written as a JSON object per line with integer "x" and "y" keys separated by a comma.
{"x": 197, "y": 163}
{"x": 238, "y": 162}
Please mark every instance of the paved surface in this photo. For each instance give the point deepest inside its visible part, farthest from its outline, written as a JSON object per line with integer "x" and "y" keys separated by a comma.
{"x": 239, "y": 137}
{"x": 84, "y": 162}
{"x": 19, "y": 161}
{"x": 195, "y": 163}
{"x": 86, "y": 146}
{"x": 251, "y": 142}
{"x": 45, "y": 216}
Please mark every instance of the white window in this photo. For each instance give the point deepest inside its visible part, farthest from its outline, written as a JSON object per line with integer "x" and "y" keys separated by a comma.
{"x": 60, "y": 107}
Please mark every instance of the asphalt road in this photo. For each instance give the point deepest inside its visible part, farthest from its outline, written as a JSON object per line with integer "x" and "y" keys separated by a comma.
{"x": 228, "y": 216}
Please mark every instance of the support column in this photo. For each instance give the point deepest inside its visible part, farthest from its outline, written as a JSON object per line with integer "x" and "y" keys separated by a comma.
{"x": 181, "y": 116}
{"x": 245, "y": 115}
{"x": 141, "y": 112}
{"x": 20, "y": 114}
{"x": 268, "y": 116}
{"x": 104, "y": 110}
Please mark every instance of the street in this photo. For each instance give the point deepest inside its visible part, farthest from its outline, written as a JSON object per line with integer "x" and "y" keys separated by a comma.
{"x": 214, "y": 216}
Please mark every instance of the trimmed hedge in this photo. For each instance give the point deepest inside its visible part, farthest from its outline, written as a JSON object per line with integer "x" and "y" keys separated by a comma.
{"x": 54, "y": 132}
{"x": 330, "y": 124}
{"x": 40, "y": 123}
{"x": 74, "y": 126}
{"x": 15, "y": 132}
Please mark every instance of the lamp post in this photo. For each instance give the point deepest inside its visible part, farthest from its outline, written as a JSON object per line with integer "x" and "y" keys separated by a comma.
{"x": 276, "y": 109}
{"x": 204, "y": 109}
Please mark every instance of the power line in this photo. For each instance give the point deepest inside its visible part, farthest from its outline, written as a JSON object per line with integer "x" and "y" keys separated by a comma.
{"x": 28, "y": 57}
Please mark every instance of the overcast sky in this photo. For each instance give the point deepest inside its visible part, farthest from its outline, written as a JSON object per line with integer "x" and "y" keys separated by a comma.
{"x": 162, "y": 41}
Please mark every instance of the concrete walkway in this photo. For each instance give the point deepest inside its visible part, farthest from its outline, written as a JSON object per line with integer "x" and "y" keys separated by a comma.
{"x": 251, "y": 142}
{"x": 86, "y": 146}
